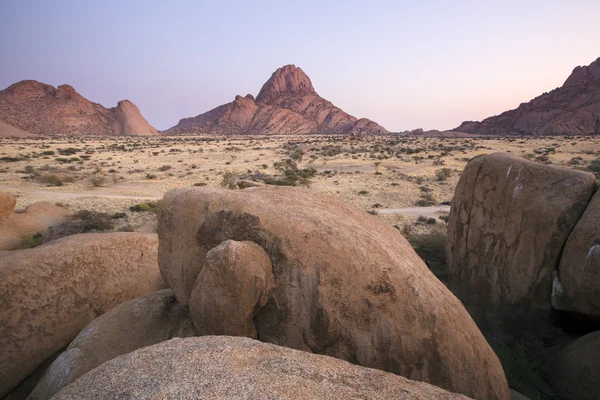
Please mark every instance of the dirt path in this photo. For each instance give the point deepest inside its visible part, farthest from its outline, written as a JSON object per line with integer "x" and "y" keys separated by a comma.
{"x": 155, "y": 194}
{"x": 109, "y": 193}
{"x": 415, "y": 212}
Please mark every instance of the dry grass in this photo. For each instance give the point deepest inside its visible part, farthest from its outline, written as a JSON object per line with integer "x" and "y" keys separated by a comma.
{"x": 380, "y": 172}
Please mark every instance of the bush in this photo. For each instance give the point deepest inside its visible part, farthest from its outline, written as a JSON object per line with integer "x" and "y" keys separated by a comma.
{"x": 53, "y": 179}
{"x": 29, "y": 242}
{"x": 83, "y": 221}
{"x": 431, "y": 248}
{"x": 229, "y": 180}
{"x": 143, "y": 207}
{"x": 164, "y": 168}
{"x": 443, "y": 174}
{"x": 98, "y": 181}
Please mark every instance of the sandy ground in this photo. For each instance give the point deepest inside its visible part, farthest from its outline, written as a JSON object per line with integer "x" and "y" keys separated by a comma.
{"x": 388, "y": 175}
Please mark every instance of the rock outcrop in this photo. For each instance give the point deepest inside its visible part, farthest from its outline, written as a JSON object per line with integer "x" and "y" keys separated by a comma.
{"x": 236, "y": 281}
{"x": 35, "y": 107}
{"x": 286, "y": 104}
{"x": 35, "y": 219}
{"x": 572, "y": 109}
{"x": 347, "y": 285}
{"x": 146, "y": 320}
{"x": 222, "y": 367}
{"x": 509, "y": 221}
{"x": 579, "y": 268}
{"x": 50, "y": 293}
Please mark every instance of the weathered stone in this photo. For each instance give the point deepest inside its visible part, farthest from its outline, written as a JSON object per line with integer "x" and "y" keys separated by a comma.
{"x": 223, "y": 367}
{"x": 50, "y": 293}
{"x": 509, "y": 221}
{"x": 236, "y": 281}
{"x": 346, "y": 284}
{"x": 579, "y": 267}
{"x": 141, "y": 322}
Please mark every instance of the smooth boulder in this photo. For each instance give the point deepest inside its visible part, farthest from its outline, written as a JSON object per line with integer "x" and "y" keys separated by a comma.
{"x": 223, "y": 367}
{"x": 509, "y": 221}
{"x": 50, "y": 293}
{"x": 235, "y": 283}
{"x": 579, "y": 267}
{"x": 146, "y": 320}
{"x": 347, "y": 285}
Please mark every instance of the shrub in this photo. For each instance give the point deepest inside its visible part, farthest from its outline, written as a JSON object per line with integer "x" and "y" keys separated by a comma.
{"x": 29, "y": 242}
{"x": 229, "y": 180}
{"x": 81, "y": 222}
{"x": 143, "y": 207}
{"x": 164, "y": 168}
{"x": 443, "y": 174}
{"x": 150, "y": 176}
{"x": 98, "y": 181}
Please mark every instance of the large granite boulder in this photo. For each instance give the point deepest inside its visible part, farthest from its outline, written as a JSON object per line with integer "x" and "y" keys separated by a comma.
{"x": 235, "y": 283}
{"x": 347, "y": 285}
{"x": 509, "y": 221}
{"x": 575, "y": 369}
{"x": 223, "y": 367}
{"x": 579, "y": 268}
{"x": 143, "y": 321}
{"x": 50, "y": 293}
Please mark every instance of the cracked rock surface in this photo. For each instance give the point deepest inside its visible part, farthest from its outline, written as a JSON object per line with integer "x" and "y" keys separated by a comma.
{"x": 509, "y": 221}
{"x": 50, "y": 293}
{"x": 224, "y": 367}
{"x": 347, "y": 285}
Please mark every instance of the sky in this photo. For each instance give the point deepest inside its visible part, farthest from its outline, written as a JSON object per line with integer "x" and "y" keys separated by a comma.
{"x": 404, "y": 64}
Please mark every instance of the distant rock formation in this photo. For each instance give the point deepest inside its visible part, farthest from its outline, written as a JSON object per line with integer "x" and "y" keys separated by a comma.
{"x": 286, "y": 104}
{"x": 572, "y": 109}
{"x": 35, "y": 107}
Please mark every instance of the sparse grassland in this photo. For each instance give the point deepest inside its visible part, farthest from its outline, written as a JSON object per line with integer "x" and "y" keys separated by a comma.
{"x": 121, "y": 176}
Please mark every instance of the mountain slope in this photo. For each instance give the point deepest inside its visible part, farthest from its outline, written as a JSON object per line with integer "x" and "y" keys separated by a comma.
{"x": 572, "y": 109}
{"x": 7, "y": 130}
{"x": 286, "y": 104}
{"x": 39, "y": 108}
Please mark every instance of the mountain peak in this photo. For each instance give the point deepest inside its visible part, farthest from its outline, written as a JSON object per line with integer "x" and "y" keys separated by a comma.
{"x": 288, "y": 79}
{"x": 585, "y": 74}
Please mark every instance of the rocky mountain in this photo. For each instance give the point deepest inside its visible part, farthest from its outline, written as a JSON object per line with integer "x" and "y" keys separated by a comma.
{"x": 286, "y": 104}
{"x": 39, "y": 108}
{"x": 572, "y": 109}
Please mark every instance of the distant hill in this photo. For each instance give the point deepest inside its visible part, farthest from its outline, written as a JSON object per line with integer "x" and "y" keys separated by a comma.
{"x": 572, "y": 109}
{"x": 35, "y": 107}
{"x": 286, "y": 104}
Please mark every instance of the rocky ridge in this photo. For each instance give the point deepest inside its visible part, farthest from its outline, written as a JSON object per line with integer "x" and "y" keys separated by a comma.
{"x": 572, "y": 109}
{"x": 35, "y": 107}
